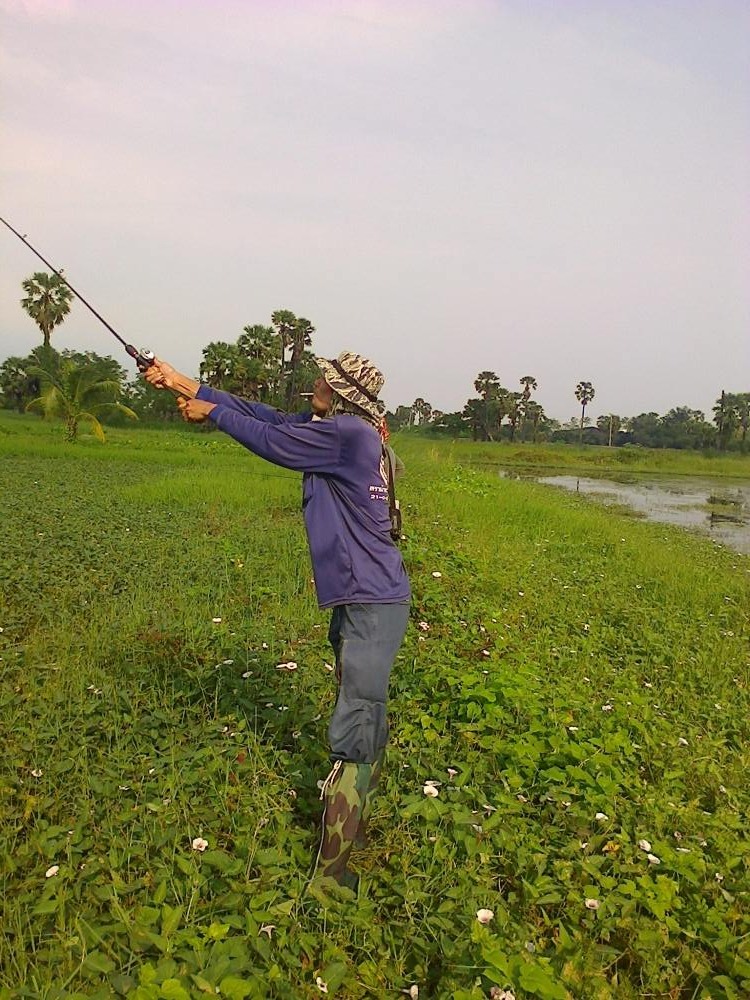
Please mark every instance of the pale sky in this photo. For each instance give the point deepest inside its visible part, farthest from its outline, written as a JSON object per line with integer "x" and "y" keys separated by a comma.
{"x": 557, "y": 189}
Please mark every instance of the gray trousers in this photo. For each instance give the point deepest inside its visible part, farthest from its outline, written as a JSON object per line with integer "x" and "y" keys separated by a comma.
{"x": 365, "y": 639}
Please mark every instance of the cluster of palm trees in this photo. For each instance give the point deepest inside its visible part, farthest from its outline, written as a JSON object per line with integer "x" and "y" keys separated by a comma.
{"x": 272, "y": 364}
{"x": 495, "y": 404}
{"x": 76, "y": 388}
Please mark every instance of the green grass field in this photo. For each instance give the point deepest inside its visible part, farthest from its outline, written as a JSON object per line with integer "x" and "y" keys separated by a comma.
{"x": 576, "y": 681}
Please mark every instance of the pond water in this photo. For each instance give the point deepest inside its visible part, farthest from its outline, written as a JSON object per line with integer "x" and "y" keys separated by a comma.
{"x": 718, "y": 507}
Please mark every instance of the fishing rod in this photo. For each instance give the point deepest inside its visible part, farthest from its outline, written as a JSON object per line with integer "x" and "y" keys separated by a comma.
{"x": 143, "y": 358}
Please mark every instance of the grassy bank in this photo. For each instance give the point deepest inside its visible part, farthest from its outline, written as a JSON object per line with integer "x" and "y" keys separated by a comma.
{"x": 576, "y": 682}
{"x": 588, "y": 458}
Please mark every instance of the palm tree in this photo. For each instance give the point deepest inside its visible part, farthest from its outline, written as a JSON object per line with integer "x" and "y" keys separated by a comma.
{"x": 528, "y": 382}
{"x": 535, "y": 413}
{"x": 743, "y": 416}
{"x": 473, "y": 413}
{"x": 515, "y": 411}
{"x": 418, "y": 409}
{"x": 585, "y": 392}
{"x": 487, "y": 384}
{"x": 78, "y": 392}
{"x": 219, "y": 361}
{"x": 259, "y": 364}
{"x": 301, "y": 337}
{"x": 47, "y": 301}
{"x": 283, "y": 322}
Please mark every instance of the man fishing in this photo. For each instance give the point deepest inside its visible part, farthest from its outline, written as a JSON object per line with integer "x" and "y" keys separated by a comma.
{"x": 358, "y": 570}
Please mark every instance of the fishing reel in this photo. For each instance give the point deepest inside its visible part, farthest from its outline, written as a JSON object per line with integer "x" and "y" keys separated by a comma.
{"x": 143, "y": 358}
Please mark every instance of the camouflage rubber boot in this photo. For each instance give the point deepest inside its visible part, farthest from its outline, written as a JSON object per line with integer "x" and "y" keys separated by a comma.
{"x": 344, "y": 792}
{"x": 361, "y": 839}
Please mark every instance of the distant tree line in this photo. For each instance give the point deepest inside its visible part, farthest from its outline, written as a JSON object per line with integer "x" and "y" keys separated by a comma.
{"x": 497, "y": 414}
{"x": 275, "y": 364}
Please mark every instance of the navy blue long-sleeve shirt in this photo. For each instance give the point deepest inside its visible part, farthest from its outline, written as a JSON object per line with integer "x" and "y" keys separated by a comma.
{"x": 344, "y": 494}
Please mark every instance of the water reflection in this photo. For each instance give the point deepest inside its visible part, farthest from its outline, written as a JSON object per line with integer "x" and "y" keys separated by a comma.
{"x": 718, "y": 507}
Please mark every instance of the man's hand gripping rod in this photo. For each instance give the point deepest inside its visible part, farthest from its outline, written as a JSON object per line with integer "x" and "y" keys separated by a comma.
{"x": 143, "y": 358}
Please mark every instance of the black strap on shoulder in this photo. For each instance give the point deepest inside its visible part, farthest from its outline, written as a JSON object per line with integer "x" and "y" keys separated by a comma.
{"x": 394, "y": 510}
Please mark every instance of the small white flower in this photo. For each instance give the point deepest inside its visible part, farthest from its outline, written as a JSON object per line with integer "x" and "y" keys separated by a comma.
{"x": 601, "y": 817}
{"x": 497, "y": 994}
{"x": 329, "y": 666}
{"x": 521, "y": 798}
{"x": 644, "y": 845}
{"x": 719, "y": 877}
{"x": 520, "y": 593}
{"x": 682, "y": 742}
{"x": 248, "y": 673}
{"x": 572, "y": 729}
{"x": 199, "y": 844}
{"x": 291, "y": 665}
{"x": 430, "y": 791}
{"x": 323, "y": 987}
{"x": 424, "y": 626}
{"x": 722, "y": 789}
{"x": 583, "y": 844}
{"x": 682, "y": 850}
{"x": 485, "y": 652}
{"x": 227, "y": 663}
{"x": 267, "y": 929}
{"x": 264, "y": 645}
{"x": 607, "y": 708}
{"x": 216, "y": 621}
{"x": 437, "y": 575}
{"x": 52, "y": 871}
{"x": 592, "y": 904}
{"x": 37, "y": 772}
{"x": 653, "y": 860}
{"x": 452, "y": 772}
{"x": 484, "y": 916}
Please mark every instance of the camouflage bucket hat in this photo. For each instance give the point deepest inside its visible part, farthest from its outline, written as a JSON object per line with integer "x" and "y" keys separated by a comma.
{"x": 356, "y": 379}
